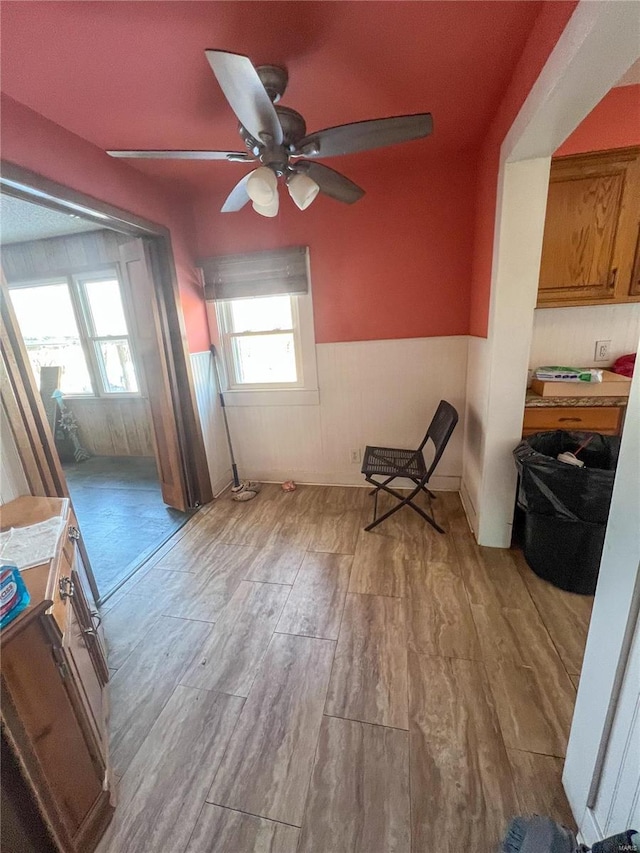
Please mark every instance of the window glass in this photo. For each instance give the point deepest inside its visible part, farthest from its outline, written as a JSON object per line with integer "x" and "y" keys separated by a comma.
{"x": 261, "y": 314}
{"x": 265, "y": 359}
{"x": 48, "y": 325}
{"x": 105, "y": 306}
{"x": 118, "y": 373}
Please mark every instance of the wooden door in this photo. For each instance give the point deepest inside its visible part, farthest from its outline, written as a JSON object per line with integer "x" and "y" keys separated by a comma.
{"x": 149, "y": 342}
{"x": 590, "y": 229}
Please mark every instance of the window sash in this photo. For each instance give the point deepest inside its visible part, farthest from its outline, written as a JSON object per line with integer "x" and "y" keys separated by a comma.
{"x": 223, "y": 309}
{"x": 93, "y": 351}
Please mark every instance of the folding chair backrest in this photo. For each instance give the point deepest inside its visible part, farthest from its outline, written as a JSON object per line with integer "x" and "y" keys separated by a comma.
{"x": 442, "y": 425}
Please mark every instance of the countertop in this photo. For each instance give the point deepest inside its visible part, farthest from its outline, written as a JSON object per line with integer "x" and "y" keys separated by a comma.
{"x": 535, "y": 401}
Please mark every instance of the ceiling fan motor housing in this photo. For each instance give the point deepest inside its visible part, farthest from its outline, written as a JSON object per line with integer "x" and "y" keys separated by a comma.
{"x": 293, "y": 126}
{"x": 274, "y": 79}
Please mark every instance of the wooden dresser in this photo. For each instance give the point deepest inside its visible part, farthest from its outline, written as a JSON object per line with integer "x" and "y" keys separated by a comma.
{"x": 56, "y": 781}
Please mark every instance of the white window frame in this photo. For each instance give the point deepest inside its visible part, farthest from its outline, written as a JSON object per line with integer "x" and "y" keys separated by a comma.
{"x": 81, "y": 312}
{"x": 88, "y": 333}
{"x": 303, "y": 392}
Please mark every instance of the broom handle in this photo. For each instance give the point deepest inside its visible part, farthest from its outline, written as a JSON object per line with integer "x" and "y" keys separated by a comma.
{"x": 234, "y": 468}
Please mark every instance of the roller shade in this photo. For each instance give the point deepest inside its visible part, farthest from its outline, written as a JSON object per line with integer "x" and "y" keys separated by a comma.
{"x": 256, "y": 274}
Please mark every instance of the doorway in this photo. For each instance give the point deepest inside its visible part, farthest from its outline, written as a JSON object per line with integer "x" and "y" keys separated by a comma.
{"x": 94, "y": 360}
{"x": 578, "y": 73}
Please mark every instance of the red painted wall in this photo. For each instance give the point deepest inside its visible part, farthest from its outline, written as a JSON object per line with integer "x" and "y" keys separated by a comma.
{"x": 397, "y": 264}
{"x": 546, "y": 31}
{"x": 613, "y": 123}
{"x": 35, "y": 143}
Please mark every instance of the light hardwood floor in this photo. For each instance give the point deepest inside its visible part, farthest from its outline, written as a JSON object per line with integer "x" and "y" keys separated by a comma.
{"x": 284, "y": 682}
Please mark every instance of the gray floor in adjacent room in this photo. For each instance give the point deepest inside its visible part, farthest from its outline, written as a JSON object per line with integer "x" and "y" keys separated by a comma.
{"x": 119, "y": 506}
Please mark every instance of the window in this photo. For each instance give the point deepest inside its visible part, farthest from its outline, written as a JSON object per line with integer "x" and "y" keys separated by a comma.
{"x": 108, "y": 334}
{"x": 264, "y": 314}
{"x": 78, "y": 323}
{"x": 261, "y": 341}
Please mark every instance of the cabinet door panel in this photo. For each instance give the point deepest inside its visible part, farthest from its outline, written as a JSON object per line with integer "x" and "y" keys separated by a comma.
{"x": 634, "y": 288}
{"x": 579, "y": 234}
{"x": 591, "y": 230}
{"x": 40, "y": 690}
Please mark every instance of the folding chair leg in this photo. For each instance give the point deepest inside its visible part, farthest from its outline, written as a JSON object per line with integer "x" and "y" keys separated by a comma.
{"x": 381, "y": 485}
{"x": 401, "y": 502}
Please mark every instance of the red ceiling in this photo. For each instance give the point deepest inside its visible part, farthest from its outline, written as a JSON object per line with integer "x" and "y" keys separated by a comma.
{"x": 134, "y": 75}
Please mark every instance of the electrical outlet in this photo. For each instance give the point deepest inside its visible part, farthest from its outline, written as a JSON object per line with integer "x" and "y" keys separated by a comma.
{"x": 602, "y": 351}
{"x": 356, "y": 457}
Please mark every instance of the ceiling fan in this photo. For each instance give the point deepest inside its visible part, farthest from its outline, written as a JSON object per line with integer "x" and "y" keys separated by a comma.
{"x": 277, "y": 142}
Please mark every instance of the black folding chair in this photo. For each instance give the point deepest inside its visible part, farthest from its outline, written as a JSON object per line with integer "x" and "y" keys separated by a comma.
{"x": 392, "y": 462}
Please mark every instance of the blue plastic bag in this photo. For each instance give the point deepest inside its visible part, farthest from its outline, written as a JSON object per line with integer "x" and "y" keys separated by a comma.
{"x": 14, "y": 596}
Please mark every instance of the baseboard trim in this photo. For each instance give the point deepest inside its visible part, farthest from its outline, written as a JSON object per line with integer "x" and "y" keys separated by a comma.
{"x": 442, "y": 483}
{"x": 222, "y": 483}
{"x": 469, "y": 509}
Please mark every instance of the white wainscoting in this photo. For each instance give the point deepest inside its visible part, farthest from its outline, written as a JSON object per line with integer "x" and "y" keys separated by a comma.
{"x": 371, "y": 392}
{"x": 568, "y": 335}
{"x": 215, "y": 442}
{"x": 13, "y": 482}
{"x": 475, "y": 417}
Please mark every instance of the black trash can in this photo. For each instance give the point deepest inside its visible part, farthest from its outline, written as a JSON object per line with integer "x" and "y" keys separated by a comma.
{"x": 566, "y": 507}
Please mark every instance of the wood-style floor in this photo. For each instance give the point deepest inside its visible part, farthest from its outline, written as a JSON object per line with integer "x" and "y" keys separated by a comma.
{"x": 285, "y": 682}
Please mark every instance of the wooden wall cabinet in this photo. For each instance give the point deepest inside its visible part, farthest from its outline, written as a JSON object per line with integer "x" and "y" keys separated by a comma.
{"x": 54, "y": 699}
{"x": 591, "y": 244}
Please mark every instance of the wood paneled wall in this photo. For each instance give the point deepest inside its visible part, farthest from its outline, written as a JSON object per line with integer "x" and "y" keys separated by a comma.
{"x": 57, "y": 256}
{"x": 119, "y": 427}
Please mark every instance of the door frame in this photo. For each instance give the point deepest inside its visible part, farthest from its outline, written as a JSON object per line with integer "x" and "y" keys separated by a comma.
{"x": 31, "y": 187}
{"x": 579, "y": 72}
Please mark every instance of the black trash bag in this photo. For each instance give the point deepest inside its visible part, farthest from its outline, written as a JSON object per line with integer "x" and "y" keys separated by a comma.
{"x": 566, "y": 507}
{"x": 549, "y": 487}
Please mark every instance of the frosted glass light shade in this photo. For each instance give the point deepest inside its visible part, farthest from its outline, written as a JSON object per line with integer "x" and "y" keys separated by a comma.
{"x": 262, "y": 186}
{"x": 270, "y": 209}
{"x": 302, "y": 190}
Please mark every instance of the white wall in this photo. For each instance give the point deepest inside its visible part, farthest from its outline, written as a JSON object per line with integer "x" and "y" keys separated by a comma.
{"x": 215, "y": 443}
{"x": 568, "y": 335}
{"x": 518, "y": 246}
{"x": 371, "y": 392}
{"x": 13, "y": 482}
{"x": 602, "y": 773}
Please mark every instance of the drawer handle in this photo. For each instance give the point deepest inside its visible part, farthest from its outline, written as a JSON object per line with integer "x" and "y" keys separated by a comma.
{"x": 66, "y": 588}
{"x": 74, "y": 534}
{"x": 570, "y": 420}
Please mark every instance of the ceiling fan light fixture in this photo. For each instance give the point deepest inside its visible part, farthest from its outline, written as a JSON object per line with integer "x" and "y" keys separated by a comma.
{"x": 262, "y": 187}
{"x": 270, "y": 209}
{"x": 302, "y": 190}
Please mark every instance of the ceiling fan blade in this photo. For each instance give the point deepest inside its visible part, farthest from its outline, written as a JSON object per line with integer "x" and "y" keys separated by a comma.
{"x": 238, "y": 196}
{"x": 247, "y": 96}
{"x": 233, "y": 156}
{"x": 365, "y": 135}
{"x": 331, "y": 183}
